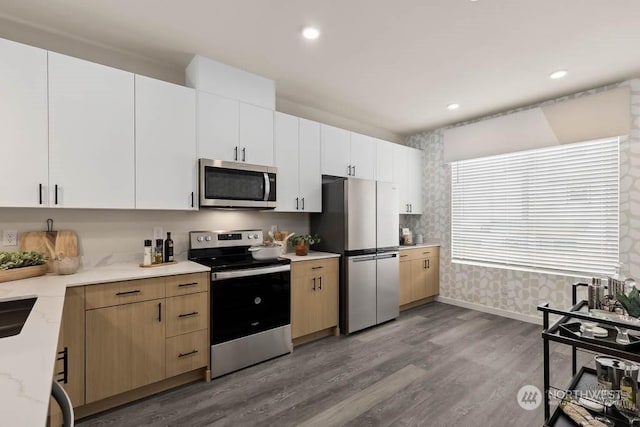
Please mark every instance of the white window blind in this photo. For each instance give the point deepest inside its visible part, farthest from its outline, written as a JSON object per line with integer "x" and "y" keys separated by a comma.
{"x": 554, "y": 209}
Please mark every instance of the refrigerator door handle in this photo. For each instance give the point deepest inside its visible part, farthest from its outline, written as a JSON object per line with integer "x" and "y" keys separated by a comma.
{"x": 385, "y": 256}
{"x": 362, "y": 258}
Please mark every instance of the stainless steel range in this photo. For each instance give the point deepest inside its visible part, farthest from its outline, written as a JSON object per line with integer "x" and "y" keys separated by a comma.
{"x": 250, "y": 299}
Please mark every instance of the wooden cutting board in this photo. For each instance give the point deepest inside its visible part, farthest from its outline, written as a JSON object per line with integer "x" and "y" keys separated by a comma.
{"x": 50, "y": 243}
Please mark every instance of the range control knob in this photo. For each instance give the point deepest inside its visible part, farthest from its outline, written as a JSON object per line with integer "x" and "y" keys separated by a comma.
{"x": 250, "y": 236}
{"x": 200, "y": 239}
{"x": 255, "y": 236}
{"x": 208, "y": 238}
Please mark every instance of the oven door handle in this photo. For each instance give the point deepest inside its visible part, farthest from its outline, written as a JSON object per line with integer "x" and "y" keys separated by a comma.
{"x": 249, "y": 272}
{"x": 267, "y": 187}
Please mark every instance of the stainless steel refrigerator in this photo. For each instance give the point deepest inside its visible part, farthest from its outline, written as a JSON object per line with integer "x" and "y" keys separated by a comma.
{"x": 359, "y": 220}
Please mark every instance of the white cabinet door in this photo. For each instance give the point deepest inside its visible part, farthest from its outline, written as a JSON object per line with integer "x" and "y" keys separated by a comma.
{"x": 218, "y": 127}
{"x": 363, "y": 156}
{"x": 256, "y": 135}
{"x": 310, "y": 174}
{"x": 23, "y": 128}
{"x": 91, "y": 134}
{"x": 401, "y": 176}
{"x": 166, "y": 161}
{"x": 414, "y": 181}
{"x": 286, "y": 160}
{"x": 335, "y": 151}
{"x": 384, "y": 161}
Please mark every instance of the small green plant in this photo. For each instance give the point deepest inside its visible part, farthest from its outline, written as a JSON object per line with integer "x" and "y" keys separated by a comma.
{"x": 9, "y": 260}
{"x": 630, "y": 302}
{"x": 307, "y": 239}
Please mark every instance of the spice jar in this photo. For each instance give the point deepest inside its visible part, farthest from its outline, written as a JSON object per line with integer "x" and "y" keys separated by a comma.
{"x": 146, "y": 259}
{"x": 157, "y": 255}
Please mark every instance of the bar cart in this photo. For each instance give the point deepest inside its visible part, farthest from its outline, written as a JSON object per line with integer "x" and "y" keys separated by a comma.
{"x": 585, "y": 378}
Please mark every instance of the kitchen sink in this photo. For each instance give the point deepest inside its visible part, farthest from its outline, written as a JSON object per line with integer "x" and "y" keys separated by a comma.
{"x": 13, "y": 315}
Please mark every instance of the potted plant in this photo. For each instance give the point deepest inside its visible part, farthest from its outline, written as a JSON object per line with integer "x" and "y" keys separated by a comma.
{"x": 302, "y": 242}
{"x": 20, "y": 265}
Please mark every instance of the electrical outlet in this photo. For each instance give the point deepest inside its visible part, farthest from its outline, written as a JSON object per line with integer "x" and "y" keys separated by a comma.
{"x": 157, "y": 233}
{"x": 10, "y": 238}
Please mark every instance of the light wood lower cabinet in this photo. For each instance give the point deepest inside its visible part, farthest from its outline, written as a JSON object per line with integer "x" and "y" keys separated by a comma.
{"x": 124, "y": 336}
{"x": 419, "y": 275}
{"x": 314, "y": 296}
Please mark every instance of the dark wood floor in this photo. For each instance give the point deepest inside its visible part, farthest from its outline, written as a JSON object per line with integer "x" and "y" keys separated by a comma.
{"x": 436, "y": 365}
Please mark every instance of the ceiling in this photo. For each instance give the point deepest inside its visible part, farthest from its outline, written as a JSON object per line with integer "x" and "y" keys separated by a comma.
{"x": 392, "y": 64}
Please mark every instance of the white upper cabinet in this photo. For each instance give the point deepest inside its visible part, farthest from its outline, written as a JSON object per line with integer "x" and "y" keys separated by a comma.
{"x": 166, "y": 159}
{"x": 384, "y": 161}
{"x": 407, "y": 173}
{"x": 362, "y": 156}
{"x": 91, "y": 134}
{"x": 310, "y": 174}
{"x": 23, "y": 132}
{"x": 256, "y": 135}
{"x": 336, "y": 148}
{"x": 297, "y": 156}
{"x": 234, "y": 131}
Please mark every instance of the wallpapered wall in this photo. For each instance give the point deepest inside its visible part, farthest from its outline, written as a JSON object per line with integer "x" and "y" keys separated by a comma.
{"x": 510, "y": 290}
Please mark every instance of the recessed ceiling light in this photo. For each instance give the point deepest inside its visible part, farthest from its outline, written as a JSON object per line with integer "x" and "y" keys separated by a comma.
{"x": 310, "y": 33}
{"x": 558, "y": 74}
{"x": 453, "y": 106}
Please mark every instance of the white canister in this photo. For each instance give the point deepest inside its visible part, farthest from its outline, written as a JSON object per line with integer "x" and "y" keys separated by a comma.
{"x": 419, "y": 239}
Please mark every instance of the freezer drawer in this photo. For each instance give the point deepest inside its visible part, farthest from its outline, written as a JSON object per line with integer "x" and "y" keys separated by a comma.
{"x": 360, "y": 292}
{"x": 388, "y": 285}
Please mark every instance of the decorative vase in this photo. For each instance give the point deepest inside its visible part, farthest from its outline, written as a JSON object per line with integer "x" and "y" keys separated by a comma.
{"x": 302, "y": 249}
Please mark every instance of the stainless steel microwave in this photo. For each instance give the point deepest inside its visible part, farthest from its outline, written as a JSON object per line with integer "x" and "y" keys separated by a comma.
{"x": 236, "y": 185}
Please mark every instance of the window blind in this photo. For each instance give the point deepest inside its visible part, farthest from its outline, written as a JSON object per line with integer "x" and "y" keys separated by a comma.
{"x": 554, "y": 209}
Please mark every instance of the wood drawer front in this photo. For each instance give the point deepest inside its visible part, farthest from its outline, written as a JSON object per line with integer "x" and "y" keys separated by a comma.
{"x": 187, "y": 352}
{"x": 187, "y": 313}
{"x": 125, "y": 292}
{"x": 187, "y": 284}
{"x": 316, "y": 267}
{"x": 418, "y": 253}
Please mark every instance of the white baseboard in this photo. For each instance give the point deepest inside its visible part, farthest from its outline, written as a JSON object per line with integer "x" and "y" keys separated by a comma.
{"x": 490, "y": 310}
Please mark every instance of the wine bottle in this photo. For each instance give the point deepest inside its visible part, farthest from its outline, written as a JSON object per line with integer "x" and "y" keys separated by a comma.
{"x": 168, "y": 249}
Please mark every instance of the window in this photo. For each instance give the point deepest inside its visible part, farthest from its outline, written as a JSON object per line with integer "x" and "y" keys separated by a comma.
{"x": 553, "y": 209}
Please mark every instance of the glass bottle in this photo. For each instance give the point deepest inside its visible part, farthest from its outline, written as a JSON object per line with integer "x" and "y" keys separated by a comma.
{"x": 157, "y": 255}
{"x": 168, "y": 248}
{"x": 628, "y": 388}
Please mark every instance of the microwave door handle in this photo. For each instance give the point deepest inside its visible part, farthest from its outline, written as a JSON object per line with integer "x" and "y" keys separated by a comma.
{"x": 267, "y": 187}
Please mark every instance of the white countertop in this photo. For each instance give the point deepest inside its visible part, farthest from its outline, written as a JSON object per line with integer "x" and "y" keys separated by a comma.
{"x": 422, "y": 245}
{"x": 27, "y": 359}
{"x": 311, "y": 256}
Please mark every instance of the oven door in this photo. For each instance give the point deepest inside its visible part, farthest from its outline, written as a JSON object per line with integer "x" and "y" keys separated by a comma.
{"x": 244, "y": 304}
{"x": 237, "y": 185}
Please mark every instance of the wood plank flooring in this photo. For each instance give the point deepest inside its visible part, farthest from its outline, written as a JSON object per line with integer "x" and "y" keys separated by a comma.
{"x": 436, "y": 365}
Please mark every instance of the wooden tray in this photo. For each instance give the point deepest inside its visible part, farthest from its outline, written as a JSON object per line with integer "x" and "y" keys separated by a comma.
{"x": 159, "y": 265}
{"x": 573, "y": 330}
{"x": 22, "y": 272}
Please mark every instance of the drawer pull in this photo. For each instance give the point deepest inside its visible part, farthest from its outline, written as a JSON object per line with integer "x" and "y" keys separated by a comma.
{"x": 426, "y": 253}
{"x": 137, "y": 291}
{"x": 403, "y": 256}
{"x": 182, "y": 285}
{"x": 192, "y": 352}
{"x": 317, "y": 267}
{"x": 194, "y": 313}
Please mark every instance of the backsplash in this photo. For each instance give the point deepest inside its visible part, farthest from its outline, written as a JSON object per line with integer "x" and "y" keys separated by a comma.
{"x": 110, "y": 236}
{"x": 519, "y": 291}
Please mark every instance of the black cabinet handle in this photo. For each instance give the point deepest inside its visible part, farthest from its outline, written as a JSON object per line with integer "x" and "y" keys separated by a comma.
{"x": 349, "y": 170}
{"x": 64, "y": 356}
{"x": 193, "y": 313}
{"x": 244, "y": 154}
{"x": 159, "y": 312}
{"x": 354, "y": 171}
{"x": 192, "y": 199}
{"x": 297, "y": 199}
{"x": 318, "y": 267}
{"x": 188, "y": 354}
{"x": 303, "y": 203}
{"x": 410, "y": 207}
{"x": 56, "y": 194}
{"x": 181, "y": 285}
{"x": 40, "y": 193}
{"x": 314, "y": 283}
{"x": 320, "y": 281}
{"x": 428, "y": 263}
{"x": 235, "y": 153}
{"x": 137, "y": 291}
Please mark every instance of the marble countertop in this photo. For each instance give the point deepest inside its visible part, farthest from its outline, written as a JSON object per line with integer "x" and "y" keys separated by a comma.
{"x": 27, "y": 359}
{"x": 428, "y": 244}
{"x": 311, "y": 256}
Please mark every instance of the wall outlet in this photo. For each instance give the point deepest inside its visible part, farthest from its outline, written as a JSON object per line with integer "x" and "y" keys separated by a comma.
{"x": 157, "y": 234}
{"x": 10, "y": 238}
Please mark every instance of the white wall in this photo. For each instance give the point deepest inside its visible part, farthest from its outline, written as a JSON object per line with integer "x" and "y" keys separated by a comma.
{"x": 509, "y": 290}
{"x": 106, "y": 236}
